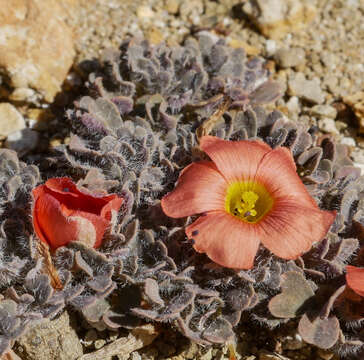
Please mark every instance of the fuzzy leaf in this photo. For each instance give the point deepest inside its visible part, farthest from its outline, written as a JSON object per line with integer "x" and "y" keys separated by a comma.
{"x": 219, "y": 331}
{"x": 241, "y": 299}
{"x": 320, "y": 332}
{"x": 295, "y": 292}
{"x": 151, "y": 289}
{"x": 123, "y": 103}
{"x": 266, "y": 93}
{"x": 108, "y": 112}
{"x": 248, "y": 121}
{"x": 81, "y": 302}
{"x": 99, "y": 283}
{"x": 95, "y": 311}
{"x": 40, "y": 288}
{"x": 81, "y": 264}
{"x": 310, "y": 159}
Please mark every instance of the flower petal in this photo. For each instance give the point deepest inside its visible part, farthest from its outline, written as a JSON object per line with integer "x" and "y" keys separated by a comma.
{"x": 225, "y": 239}
{"x": 37, "y": 193}
{"x": 236, "y": 160}
{"x": 67, "y": 193}
{"x": 55, "y": 230}
{"x": 114, "y": 204}
{"x": 277, "y": 173}
{"x": 290, "y": 229}
{"x": 355, "y": 279}
{"x": 295, "y": 221}
{"x": 200, "y": 188}
{"x": 90, "y": 228}
{"x": 63, "y": 186}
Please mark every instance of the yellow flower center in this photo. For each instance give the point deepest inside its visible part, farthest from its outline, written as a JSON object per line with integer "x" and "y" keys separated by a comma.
{"x": 248, "y": 200}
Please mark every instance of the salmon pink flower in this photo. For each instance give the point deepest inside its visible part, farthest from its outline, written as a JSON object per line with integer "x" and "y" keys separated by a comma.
{"x": 64, "y": 213}
{"x": 248, "y": 194}
{"x": 355, "y": 279}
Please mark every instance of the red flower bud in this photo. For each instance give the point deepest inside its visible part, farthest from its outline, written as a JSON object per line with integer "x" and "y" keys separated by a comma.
{"x": 64, "y": 213}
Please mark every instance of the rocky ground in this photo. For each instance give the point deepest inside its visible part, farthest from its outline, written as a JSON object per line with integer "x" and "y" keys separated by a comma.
{"x": 315, "y": 50}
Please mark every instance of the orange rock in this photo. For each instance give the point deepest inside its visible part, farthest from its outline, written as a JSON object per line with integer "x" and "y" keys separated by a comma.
{"x": 36, "y": 45}
{"x": 275, "y": 18}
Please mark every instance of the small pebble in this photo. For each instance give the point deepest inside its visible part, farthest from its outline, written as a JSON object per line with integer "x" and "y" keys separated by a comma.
{"x": 348, "y": 141}
{"x": 98, "y": 344}
{"x": 309, "y": 90}
{"x": 172, "y": 6}
{"x": 328, "y": 125}
{"x": 270, "y": 47}
{"x": 293, "y": 343}
{"x": 331, "y": 82}
{"x": 10, "y": 119}
{"x": 113, "y": 335}
{"x": 324, "y": 354}
{"x": 55, "y": 142}
{"x": 290, "y": 57}
{"x": 329, "y": 60}
{"x": 293, "y": 105}
{"x": 341, "y": 125}
{"x": 323, "y": 111}
{"x": 24, "y": 94}
{"x": 145, "y": 12}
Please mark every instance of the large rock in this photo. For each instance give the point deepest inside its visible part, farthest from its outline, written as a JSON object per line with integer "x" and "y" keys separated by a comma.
{"x": 36, "y": 47}
{"x": 50, "y": 340}
{"x": 275, "y": 18}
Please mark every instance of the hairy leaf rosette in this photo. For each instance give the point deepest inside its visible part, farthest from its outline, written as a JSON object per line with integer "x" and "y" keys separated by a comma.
{"x": 63, "y": 213}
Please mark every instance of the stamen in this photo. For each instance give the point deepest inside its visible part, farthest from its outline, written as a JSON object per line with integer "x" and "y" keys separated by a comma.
{"x": 245, "y": 207}
{"x": 248, "y": 201}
